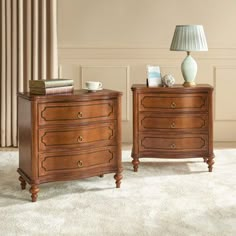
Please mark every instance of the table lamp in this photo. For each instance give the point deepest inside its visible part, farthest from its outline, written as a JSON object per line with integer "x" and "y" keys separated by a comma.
{"x": 189, "y": 38}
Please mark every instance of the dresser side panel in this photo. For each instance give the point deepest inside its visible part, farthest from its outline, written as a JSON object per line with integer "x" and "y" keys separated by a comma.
{"x": 211, "y": 121}
{"x": 25, "y": 136}
{"x": 135, "y": 148}
{"x": 119, "y": 133}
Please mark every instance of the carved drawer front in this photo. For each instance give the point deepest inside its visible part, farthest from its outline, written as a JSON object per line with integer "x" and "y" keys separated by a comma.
{"x": 69, "y": 162}
{"x": 173, "y": 143}
{"x": 153, "y": 121}
{"x": 78, "y": 136}
{"x": 76, "y": 112}
{"x": 177, "y": 102}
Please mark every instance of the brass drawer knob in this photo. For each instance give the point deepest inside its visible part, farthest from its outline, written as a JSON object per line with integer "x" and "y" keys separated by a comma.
{"x": 80, "y": 139}
{"x": 80, "y": 114}
{"x": 172, "y": 125}
{"x": 173, "y": 105}
{"x": 80, "y": 163}
{"x": 172, "y": 146}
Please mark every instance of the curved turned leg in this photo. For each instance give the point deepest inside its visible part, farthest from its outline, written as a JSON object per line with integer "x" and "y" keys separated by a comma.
{"x": 205, "y": 159}
{"x": 118, "y": 177}
{"x": 22, "y": 182}
{"x": 135, "y": 163}
{"x": 34, "y": 192}
{"x": 101, "y": 176}
{"x": 210, "y": 161}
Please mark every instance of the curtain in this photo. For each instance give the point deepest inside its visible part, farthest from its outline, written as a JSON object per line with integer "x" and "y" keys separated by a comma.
{"x": 28, "y": 50}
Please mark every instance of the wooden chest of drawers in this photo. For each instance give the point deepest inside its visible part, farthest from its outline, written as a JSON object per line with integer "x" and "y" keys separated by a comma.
{"x": 172, "y": 122}
{"x": 69, "y": 136}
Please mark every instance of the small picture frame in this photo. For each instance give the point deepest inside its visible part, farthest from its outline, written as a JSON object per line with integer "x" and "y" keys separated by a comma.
{"x": 153, "y": 76}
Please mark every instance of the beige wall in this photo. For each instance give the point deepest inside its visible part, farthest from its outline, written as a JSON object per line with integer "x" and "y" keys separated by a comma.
{"x": 113, "y": 41}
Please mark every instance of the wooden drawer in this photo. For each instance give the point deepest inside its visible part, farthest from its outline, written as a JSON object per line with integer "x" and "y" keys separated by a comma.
{"x": 60, "y": 163}
{"x": 173, "y": 143}
{"x": 170, "y": 102}
{"x": 76, "y": 112}
{"x": 153, "y": 121}
{"x": 77, "y": 137}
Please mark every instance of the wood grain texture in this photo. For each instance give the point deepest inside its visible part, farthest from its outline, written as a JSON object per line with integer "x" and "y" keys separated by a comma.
{"x": 66, "y": 137}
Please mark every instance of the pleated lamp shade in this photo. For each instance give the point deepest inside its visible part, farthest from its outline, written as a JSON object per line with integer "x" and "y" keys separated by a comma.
{"x": 189, "y": 38}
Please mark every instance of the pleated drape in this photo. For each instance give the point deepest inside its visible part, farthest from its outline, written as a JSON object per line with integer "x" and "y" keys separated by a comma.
{"x": 28, "y": 48}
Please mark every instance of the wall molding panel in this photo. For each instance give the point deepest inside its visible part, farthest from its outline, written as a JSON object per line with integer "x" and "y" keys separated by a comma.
{"x": 224, "y": 84}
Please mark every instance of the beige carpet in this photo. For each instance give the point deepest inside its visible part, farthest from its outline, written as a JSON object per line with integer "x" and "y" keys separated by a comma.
{"x": 166, "y": 197}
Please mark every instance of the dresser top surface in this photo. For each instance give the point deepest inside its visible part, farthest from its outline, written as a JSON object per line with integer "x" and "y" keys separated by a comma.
{"x": 176, "y": 88}
{"x": 81, "y": 93}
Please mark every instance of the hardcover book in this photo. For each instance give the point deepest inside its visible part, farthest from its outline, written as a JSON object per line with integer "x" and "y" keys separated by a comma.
{"x": 52, "y": 90}
{"x": 50, "y": 83}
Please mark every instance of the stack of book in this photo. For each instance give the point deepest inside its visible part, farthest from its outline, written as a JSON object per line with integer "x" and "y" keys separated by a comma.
{"x": 51, "y": 86}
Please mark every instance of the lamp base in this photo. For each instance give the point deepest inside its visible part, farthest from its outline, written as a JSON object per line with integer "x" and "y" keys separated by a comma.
{"x": 189, "y": 70}
{"x": 189, "y": 84}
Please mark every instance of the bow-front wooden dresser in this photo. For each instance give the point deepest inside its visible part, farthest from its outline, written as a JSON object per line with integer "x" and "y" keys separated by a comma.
{"x": 68, "y": 137}
{"x": 172, "y": 122}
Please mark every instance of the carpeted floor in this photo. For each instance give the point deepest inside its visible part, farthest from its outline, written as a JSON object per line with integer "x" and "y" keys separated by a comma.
{"x": 165, "y": 198}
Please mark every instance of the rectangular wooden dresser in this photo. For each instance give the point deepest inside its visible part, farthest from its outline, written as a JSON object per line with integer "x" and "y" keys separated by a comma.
{"x": 172, "y": 122}
{"x": 68, "y": 136}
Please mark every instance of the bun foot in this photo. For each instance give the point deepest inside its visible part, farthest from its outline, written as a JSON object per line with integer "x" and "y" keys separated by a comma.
{"x": 210, "y": 161}
{"x": 34, "y": 191}
{"x": 135, "y": 163}
{"x": 22, "y": 183}
{"x": 118, "y": 177}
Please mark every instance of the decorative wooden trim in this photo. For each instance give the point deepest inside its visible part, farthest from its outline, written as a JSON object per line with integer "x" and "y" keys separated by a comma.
{"x": 215, "y": 91}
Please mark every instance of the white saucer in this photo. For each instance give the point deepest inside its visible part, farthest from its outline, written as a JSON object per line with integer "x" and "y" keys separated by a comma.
{"x": 93, "y": 90}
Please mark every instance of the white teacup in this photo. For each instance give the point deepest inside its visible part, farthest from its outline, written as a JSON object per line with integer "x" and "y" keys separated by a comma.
{"x": 93, "y": 85}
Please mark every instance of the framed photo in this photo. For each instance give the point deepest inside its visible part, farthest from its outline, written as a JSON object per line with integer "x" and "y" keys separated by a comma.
{"x": 153, "y": 76}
